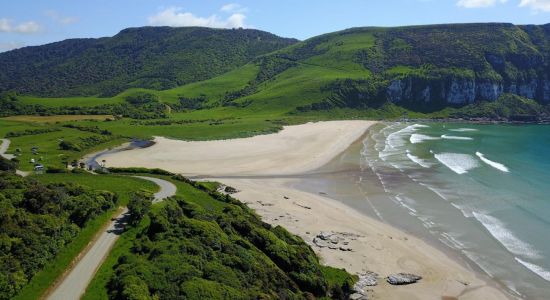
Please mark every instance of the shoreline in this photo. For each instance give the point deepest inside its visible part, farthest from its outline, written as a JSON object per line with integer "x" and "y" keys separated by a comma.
{"x": 379, "y": 247}
{"x": 376, "y": 246}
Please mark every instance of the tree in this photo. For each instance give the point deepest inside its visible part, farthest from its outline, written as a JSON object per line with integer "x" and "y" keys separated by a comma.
{"x": 7, "y": 165}
{"x": 139, "y": 206}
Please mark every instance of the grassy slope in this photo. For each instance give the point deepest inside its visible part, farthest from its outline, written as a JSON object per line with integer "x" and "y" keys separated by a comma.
{"x": 123, "y": 186}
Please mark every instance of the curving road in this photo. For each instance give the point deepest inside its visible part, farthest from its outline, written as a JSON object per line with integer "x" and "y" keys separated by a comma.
{"x": 74, "y": 284}
{"x": 167, "y": 189}
{"x": 4, "y": 148}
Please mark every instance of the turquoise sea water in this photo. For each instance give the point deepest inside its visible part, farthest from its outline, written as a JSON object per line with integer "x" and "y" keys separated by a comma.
{"x": 482, "y": 191}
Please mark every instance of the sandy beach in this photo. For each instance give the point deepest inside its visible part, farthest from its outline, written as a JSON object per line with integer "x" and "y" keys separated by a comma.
{"x": 294, "y": 150}
{"x": 375, "y": 246}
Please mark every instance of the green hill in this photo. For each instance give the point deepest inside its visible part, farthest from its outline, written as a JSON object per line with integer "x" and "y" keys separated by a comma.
{"x": 147, "y": 57}
{"x": 423, "y": 68}
{"x": 374, "y": 72}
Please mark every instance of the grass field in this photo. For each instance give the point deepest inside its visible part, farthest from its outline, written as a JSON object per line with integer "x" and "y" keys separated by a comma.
{"x": 49, "y": 152}
{"x": 122, "y": 186}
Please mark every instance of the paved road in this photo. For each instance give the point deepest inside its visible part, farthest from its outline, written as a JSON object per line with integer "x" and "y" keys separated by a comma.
{"x": 75, "y": 283}
{"x": 4, "y": 148}
{"x": 167, "y": 189}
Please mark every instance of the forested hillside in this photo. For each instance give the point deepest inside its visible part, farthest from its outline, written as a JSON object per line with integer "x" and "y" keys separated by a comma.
{"x": 37, "y": 221}
{"x": 147, "y": 57}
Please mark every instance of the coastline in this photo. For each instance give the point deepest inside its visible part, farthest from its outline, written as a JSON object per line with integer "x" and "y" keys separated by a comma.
{"x": 375, "y": 246}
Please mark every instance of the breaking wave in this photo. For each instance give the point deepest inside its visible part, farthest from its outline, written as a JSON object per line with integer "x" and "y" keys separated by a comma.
{"x": 419, "y": 161}
{"x": 452, "y": 137}
{"x": 499, "y": 231}
{"x": 458, "y": 163}
{"x": 419, "y": 138}
{"x": 543, "y": 273}
{"x": 491, "y": 163}
{"x": 463, "y": 130}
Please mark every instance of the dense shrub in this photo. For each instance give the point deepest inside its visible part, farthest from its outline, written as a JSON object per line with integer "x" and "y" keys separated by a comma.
{"x": 94, "y": 129}
{"x": 13, "y": 134}
{"x": 37, "y": 221}
{"x": 84, "y": 143}
{"x": 7, "y": 165}
{"x": 186, "y": 251}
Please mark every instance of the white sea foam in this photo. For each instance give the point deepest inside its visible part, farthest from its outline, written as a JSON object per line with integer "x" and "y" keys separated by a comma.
{"x": 540, "y": 271}
{"x": 419, "y": 161}
{"x": 419, "y": 138}
{"x": 499, "y": 231}
{"x": 435, "y": 190}
{"x": 458, "y": 163}
{"x": 491, "y": 163}
{"x": 467, "y": 213}
{"x": 406, "y": 203}
{"x": 453, "y": 241}
{"x": 459, "y": 138}
{"x": 463, "y": 129}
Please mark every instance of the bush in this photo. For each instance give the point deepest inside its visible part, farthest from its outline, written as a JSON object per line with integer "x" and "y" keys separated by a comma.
{"x": 139, "y": 206}
{"x": 12, "y": 134}
{"x": 56, "y": 170}
{"x": 140, "y": 171}
{"x": 7, "y": 165}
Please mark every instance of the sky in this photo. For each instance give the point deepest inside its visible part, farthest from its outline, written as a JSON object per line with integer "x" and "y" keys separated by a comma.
{"x": 36, "y": 22}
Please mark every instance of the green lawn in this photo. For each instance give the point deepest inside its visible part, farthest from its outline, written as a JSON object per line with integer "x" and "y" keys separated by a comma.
{"x": 121, "y": 185}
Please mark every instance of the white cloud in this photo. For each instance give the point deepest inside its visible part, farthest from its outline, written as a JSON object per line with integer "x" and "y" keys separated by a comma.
{"x": 5, "y": 25}
{"x": 176, "y": 17}
{"x": 57, "y": 17}
{"x": 478, "y": 3}
{"x": 10, "y": 46}
{"x": 536, "y": 5}
{"x": 233, "y": 8}
{"x": 28, "y": 27}
{"x": 25, "y": 27}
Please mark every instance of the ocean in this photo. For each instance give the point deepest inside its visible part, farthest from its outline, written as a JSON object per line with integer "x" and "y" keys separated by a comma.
{"x": 480, "y": 191}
